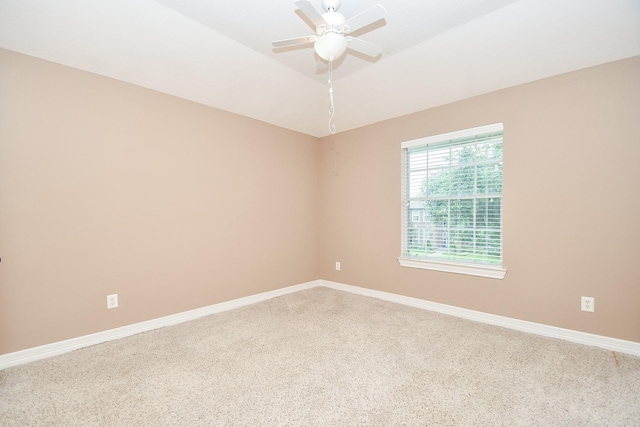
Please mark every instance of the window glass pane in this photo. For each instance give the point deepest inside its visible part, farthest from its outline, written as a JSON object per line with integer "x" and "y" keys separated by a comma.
{"x": 489, "y": 148}
{"x": 438, "y": 213}
{"x": 415, "y": 242}
{"x": 483, "y": 178}
{"x": 494, "y": 213}
{"x": 482, "y": 213}
{"x": 416, "y": 183}
{"x": 463, "y": 154}
{"x": 461, "y": 245}
{"x": 494, "y": 245}
{"x": 482, "y": 240}
{"x": 438, "y": 238}
{"x": 461, "y": 213}
{"x": 486, "y": 250}
{"x": 438, "y": 183}
{"x": 463, "y": 180}
{"x": 439, "y": 158}
{"x": 417, "y": 165}
{"x": 495, "y": 182}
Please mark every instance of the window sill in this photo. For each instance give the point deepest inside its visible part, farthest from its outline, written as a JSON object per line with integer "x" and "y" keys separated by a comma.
{"x": 452, "y": 267}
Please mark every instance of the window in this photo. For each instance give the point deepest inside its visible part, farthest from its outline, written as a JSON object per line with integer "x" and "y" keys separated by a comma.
{"x": 452, "y": 202}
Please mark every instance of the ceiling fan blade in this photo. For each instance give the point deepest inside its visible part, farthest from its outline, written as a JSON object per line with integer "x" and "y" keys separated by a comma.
{"x": 310, "y": 12}
{"x": 363, "y": 47}
{"x": 365, "y": 18}
{"x": 294, "y": 42}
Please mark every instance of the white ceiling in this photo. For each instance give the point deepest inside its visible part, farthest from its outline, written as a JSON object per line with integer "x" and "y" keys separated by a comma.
{"x": 219, "y": 53}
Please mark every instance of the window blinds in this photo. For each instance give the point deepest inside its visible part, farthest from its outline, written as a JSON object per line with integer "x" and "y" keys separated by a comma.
{"x": 452, "y": 197}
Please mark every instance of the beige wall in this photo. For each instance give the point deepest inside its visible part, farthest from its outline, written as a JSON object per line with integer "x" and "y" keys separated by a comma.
{"x": 106, "y": 187}
{"x": 571, "y": 202}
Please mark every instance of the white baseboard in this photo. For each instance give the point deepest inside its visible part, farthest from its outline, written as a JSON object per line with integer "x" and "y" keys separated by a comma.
{"x": 54, "y": 349}
{"x": 49, "y": 350}
{"x": 613, "y": 344}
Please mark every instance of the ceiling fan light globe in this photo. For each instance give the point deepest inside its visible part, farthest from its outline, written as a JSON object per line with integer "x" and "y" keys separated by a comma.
{"x": 330, "y": 46}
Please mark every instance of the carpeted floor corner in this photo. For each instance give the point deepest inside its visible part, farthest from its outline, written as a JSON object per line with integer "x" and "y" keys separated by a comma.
{"x": 326, "y": 358}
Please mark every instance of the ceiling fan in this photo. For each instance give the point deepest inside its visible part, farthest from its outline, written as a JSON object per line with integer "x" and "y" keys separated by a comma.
{"x": 331, "y": 39}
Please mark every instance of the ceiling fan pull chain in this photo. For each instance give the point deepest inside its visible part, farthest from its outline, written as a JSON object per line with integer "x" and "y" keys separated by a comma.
{"x": 332, "y": 110}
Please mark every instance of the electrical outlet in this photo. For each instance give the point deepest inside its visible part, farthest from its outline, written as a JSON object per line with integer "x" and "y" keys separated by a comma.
{"x": 112, "y": 301}
{"x": 337, "y": 266}
{"x": 588, "y": 304}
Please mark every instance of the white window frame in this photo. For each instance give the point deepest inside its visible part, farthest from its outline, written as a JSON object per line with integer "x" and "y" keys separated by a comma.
{"x": 474, "y": 269}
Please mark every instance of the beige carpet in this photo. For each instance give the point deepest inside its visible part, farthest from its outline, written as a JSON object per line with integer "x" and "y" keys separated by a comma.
{"x": 326, "y": 358}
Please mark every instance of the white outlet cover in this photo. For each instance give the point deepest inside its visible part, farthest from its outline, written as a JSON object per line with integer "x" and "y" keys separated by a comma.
{"x": 112, "y": 301}
{"x": 587, "y": 304}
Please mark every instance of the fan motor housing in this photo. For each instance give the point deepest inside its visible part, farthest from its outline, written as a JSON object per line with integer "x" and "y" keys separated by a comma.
{"x": 330, "y": 5}
{"x": 333, "y": 19}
